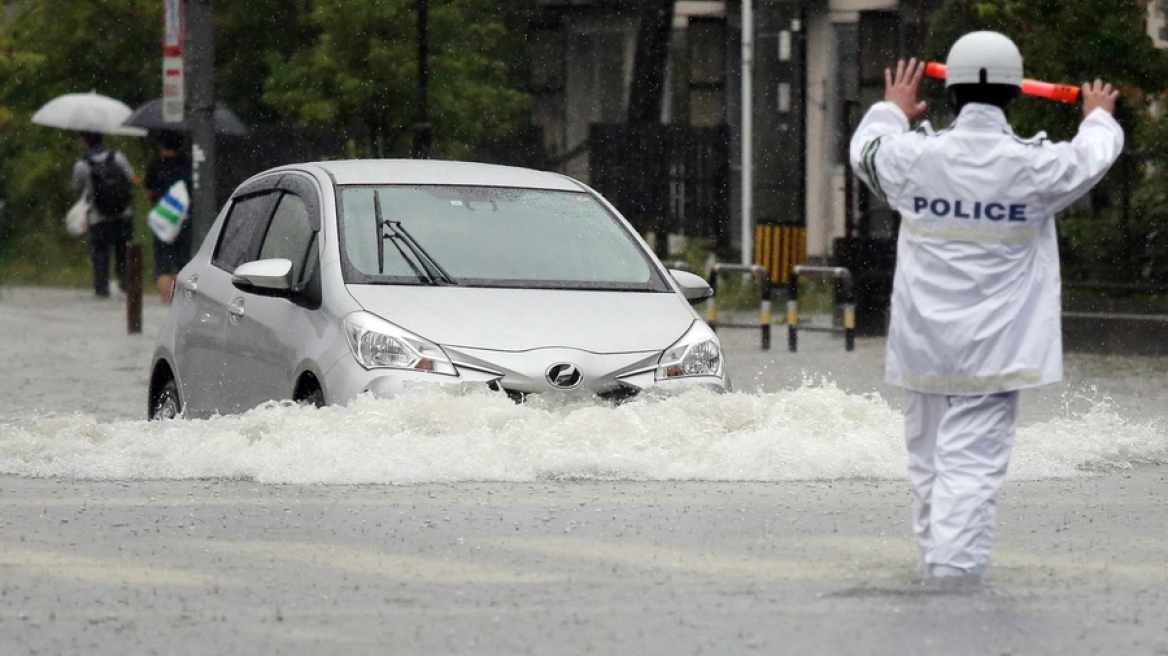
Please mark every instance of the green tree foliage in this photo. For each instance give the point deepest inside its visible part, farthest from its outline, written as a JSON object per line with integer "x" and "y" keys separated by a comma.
{"x": 1064, "y": 42}
{"x": 360, "y": 72}
{"x": 328, "y": 63}
{"x": 64, "y": 46}
{"x": 249, "y": 36}
{"x": 1115, "y": 234}
{"x": 1147, "y": 235}
{"x": 53, "y": 47}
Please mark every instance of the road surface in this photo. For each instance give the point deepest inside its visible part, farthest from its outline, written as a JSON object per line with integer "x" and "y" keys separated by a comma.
{"x": 189, "y": 563}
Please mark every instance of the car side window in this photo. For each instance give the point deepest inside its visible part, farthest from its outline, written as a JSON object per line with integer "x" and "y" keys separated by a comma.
{"x": 243, "y": 230}
{"x": 290, "y": 236}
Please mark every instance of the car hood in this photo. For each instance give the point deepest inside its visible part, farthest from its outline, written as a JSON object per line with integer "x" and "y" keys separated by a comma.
{"x": 525, "y": 319}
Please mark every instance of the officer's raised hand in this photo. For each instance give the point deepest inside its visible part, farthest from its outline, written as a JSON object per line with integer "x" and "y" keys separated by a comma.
{"x": 901, "y": 88}
{"x": 1097, "y": 95}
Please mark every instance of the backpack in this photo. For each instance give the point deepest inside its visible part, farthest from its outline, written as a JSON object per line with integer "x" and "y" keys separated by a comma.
{"x": 111, "y": 186}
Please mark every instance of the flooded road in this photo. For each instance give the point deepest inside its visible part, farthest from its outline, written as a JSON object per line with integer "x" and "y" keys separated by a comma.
{"x": 770, "y": 520}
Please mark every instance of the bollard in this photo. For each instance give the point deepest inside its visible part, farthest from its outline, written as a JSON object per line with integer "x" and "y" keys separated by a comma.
{"x": 793, "y": 312}
{"x": 849, "y": 315}
{"x": 711, "y": 303}
{"x": 764, "y": 306}
{"x": 764, "y": 318}
{"x": 848, "y": 300}
{"x": 133, "y": 288}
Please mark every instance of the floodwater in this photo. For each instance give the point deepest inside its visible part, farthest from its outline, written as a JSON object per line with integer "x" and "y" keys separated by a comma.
{"x": 72, "y": 400}
{"x": 814, "y": 432}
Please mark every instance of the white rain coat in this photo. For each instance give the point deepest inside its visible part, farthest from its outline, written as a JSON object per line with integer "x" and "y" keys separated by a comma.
{"x": 976, "y": 295}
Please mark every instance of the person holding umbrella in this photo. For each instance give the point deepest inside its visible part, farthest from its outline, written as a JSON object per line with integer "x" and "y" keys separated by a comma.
{"x": 104, "y": 179}
{"x": 174, "y": 165}
{"x": 171, "y": 166}
{"x": 101, "y": 177}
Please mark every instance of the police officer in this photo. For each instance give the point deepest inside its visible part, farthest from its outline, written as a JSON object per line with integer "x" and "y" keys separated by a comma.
{"x": 976, "y": 293}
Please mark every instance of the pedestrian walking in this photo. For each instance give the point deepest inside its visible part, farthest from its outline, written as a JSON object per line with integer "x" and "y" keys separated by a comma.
{"x": 976, "y": 292}
{"x": 171, "y": 166}
{"x": 104, "y": 178}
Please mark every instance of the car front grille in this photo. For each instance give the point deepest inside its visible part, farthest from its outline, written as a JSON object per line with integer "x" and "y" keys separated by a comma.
{"x": 614, "y": 396}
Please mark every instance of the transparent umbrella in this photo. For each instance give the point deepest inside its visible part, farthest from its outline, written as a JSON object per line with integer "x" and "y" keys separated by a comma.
{"x": 87, "y": 112}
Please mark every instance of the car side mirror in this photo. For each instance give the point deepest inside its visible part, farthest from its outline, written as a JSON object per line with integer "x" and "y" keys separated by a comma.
{"x": 274, "y": 275}
{"x": 694, "y": 288}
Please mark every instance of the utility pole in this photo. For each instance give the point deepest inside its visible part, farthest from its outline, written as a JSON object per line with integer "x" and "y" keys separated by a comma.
{"x": 423, "y": 131}
{"x": 650, "y": 60}
{"x": 200, "y": 49}
{"x": 646, "y": 96}
{"x": 747, "y": 181}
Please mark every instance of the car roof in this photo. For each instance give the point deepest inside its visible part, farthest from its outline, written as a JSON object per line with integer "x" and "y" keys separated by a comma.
{"x": 432, "y": 171}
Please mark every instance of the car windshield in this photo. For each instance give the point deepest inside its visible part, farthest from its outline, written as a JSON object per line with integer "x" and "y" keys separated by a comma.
{"x": 488, "y": 236}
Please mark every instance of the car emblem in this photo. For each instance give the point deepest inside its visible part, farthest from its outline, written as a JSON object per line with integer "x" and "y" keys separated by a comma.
{"x": 564, "y": 375}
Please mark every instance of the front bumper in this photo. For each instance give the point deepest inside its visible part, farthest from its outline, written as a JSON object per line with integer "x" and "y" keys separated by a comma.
{"x": 614, "y": 376}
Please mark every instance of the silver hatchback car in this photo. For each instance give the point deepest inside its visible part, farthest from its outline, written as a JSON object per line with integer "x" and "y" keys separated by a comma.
{"x": 322, "y": 281}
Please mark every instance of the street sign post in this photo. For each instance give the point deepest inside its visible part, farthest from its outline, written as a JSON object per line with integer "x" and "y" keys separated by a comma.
{"x": 173, "y": 83}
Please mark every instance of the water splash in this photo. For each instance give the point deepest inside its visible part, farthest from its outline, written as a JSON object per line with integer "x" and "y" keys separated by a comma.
{"x": 1091, "y": 436}
{"x": 431, "y": 434}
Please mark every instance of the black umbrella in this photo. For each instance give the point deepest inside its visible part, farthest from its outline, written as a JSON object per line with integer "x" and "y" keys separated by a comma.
{"x": 149, "y": 116}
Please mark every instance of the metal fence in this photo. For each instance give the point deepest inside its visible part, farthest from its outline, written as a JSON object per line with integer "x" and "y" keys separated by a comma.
{"x": 665, "y": 178}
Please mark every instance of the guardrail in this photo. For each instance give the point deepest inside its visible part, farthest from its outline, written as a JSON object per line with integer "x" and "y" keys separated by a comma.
{"x": 849, "y": 303}
{"x": 764, "y": 309}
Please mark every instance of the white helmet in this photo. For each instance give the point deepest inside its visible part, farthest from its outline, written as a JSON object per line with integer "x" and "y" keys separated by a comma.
{"x": 986, "y": 58}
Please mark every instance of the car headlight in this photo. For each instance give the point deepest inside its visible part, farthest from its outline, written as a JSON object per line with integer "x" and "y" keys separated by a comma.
{"x": 377, "y": 343}
{"x": 697, "y": 353}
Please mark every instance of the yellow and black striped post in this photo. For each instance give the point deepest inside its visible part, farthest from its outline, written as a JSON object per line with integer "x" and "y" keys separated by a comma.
{"x": 712, "y": 303}
{"x": 793, "y": 311}
{"x": 764, "y": 312}
{"x": 849, "y": 315}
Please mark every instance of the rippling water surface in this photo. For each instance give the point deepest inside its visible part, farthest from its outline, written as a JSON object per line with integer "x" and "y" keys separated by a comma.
{"x": 812, "y": 432}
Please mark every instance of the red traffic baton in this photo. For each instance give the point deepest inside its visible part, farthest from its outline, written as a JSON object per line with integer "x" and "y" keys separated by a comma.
{"x": 1063, "y": 92}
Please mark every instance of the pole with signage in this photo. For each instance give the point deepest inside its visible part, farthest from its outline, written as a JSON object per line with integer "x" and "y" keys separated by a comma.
{"x": 174, "y": 91}
{"x": 423, "y": 131}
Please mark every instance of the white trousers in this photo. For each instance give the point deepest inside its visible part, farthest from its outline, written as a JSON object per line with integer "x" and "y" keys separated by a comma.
{"x": 958, "y": 451}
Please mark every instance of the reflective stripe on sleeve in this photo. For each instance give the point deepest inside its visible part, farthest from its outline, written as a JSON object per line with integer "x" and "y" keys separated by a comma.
{"x": 868, "y": 162}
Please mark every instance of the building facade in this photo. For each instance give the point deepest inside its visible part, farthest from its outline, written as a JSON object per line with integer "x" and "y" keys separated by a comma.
{"x": 1158, "y": 22}
{"x": 816, "y": 65}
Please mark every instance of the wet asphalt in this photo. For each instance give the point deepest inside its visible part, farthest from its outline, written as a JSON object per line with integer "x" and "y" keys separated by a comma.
{"x": 553, "y": 567}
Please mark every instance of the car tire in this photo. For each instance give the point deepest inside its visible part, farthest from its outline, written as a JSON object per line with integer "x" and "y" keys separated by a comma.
{"x": 313, "y": 396}
{"x": 166, "y": 403}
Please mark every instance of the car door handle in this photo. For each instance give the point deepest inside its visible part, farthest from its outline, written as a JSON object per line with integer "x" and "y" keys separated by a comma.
{"x": 236, "y": 310}
{"x": 190, "y": 286}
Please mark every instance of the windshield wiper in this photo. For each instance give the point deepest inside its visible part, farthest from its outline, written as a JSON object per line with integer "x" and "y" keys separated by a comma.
{"x": 429, "y": 271}
{"x": 435, "y": 274}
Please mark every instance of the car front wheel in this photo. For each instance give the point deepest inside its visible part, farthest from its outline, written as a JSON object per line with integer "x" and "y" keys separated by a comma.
{"x": 166, "y": 403}
{"x": 308, "y": 392}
